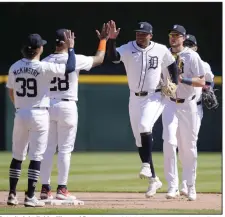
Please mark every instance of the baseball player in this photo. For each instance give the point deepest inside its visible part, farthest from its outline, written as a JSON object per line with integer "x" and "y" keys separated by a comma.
{"x": 28, "y": 83}
{"x": 191, "y": 42}
{"x": 143, "y": 60}
{"x": 180, "y": 116}
{"x": 63, "y": 113}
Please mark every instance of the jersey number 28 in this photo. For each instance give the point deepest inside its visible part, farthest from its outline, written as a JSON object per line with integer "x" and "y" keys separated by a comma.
{"x": 28, "y": 87}
{"x": 60, "y": 84}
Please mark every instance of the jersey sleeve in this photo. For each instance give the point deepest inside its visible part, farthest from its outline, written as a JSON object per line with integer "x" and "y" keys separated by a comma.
{"x": 53, "y": 69}
{"x": 122, "y": 50}
{"x": 208, "y": 72}
{"x": 197, "y": 66}
{"x": 84, "y": 62}
{"x": 10, "y": 80}
{"x": 168, "y": 58}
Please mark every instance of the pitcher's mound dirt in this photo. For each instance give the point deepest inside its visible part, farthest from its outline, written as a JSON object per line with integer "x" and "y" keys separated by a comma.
{"x": 136, "y": 201}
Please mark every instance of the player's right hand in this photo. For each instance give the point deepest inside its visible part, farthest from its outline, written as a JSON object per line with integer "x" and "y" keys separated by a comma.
{"x": 104, "y": 32}
{"x": 69, "y": 38}
{"x": 113, "y": 31}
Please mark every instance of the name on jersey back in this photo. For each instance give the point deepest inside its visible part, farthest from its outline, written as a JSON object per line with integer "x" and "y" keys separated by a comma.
{"x": 27, "y": 70}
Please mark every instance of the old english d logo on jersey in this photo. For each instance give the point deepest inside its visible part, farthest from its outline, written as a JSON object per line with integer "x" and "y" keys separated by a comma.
{"x": 153, "y": 62}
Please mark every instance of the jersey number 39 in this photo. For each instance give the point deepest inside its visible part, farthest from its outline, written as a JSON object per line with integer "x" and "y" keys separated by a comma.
{"x": 28, "y": 87}
{"x": 60, "y": 84}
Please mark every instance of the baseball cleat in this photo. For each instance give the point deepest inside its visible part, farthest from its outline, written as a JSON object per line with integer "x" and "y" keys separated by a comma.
{"x": 184, "y": 189}
{"x": 154, "y": 185}
{"x": 46, "y": 194}
{"x": 64, "y": 194}
{"x": 184, "y": 192}
{"x": 33, "y": 202}
{"x": 145, "y": 171}
{"x": 192, "y": 193}
{"x": 172, "y": 193}
{"x": 12, "y": 200}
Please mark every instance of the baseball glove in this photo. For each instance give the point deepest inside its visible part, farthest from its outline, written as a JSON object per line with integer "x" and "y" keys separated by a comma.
{"x": 209, "y": 98}
{"x": 168, "y": 88}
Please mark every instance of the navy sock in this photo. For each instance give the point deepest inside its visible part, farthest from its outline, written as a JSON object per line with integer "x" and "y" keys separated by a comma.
{"x": 46, "y": 186}
{"x": 141, "y": 154}
{"x": 147, "y": 144}
{"x": 33, "y": 174}
{"x": 14, "y": 175}
{"x": 61, "y": 186}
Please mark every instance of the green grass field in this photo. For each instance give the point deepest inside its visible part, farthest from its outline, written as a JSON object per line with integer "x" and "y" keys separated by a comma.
{"x": 74, "y": 211}
{"x": 115, "y": 172}
{"x": 118, "y": 172}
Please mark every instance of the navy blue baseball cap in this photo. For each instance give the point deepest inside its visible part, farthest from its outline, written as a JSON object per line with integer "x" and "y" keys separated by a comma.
{"x": 178, "y": 28}
{"x": 34, "y": 41}
{"x": 60, "y": 35}
{"x": 191, "y": 38}
{"x": 144, "y": 27}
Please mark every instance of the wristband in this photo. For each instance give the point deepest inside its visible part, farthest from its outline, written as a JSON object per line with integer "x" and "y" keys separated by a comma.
{"x": 187, "y": 81}
{"x": 102, "y": 45}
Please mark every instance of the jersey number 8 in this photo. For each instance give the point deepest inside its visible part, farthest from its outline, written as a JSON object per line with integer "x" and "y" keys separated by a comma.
{"x": 63, "y": 84}
{"x": 28, "y": 86}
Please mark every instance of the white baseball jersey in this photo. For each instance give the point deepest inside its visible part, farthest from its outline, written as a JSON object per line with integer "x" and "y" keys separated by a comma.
{"x": 192, "y": 67}
{"x": 63, "y": 87}
{"x": 144, "y": 66}
{"x": 30, "y": 81}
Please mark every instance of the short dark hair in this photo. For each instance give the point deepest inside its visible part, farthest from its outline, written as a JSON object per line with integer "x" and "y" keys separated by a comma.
{"x": 29, "y": 53}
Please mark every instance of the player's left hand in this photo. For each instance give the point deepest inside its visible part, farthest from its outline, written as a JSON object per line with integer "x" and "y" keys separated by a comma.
{"x": 105, "y": 32}
{"x": 69, "y": 38}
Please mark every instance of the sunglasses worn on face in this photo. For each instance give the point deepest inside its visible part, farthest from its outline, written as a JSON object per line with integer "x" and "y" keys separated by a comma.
{"x": 174, "y": 35}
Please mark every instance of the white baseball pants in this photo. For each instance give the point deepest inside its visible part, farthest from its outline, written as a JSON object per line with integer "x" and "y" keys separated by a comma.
{"x": 30, "y": 129}
{"x": 62, "y": 132}
{"x": 144, "y": 112}
{"x": 180, "y": 121}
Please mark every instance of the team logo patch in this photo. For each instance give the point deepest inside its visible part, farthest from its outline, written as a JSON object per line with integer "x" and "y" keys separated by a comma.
{"x": 153, "y": 62}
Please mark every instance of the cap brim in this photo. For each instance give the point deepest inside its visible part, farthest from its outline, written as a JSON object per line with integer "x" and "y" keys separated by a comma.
{"x": 172, "y": 30}
{"x": 44, "y": 42}
{"x": 140, "y": 30}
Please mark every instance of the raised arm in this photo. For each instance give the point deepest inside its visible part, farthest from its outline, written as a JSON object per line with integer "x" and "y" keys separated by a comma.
{"x": 71, "y": 62}
{"x": 112, "y": 54}
{"x": 103, "y": 36}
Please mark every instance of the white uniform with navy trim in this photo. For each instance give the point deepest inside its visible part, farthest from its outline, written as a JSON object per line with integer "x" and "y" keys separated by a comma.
{"x": 179, "y": 124}
{"x": 63, "y": 117}
{"x": 143, "y": 68}
{"x": 29, "y": 80}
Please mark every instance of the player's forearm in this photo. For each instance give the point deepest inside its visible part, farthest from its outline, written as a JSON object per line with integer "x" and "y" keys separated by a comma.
{"x": 11, "y": 95}
{"x": 71, "y": 62}
{"x": 195, "y": 81}
{"x": 173, "y": 70}
{"x": 112, "y": 54}
{"x": 100, "y": 54}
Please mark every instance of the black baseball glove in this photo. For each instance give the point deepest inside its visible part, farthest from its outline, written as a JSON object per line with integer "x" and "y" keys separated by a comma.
{"x": 209, "y": 98}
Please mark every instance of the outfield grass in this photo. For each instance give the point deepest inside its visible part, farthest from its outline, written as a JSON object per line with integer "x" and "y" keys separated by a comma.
{"x": 56, "y": 211}
{"x": 118, "y": 172}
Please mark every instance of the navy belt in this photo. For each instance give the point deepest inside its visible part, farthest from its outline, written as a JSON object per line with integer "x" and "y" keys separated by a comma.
{"x": 46, "y": 108}
{"x": 181, "y": 100}
{"x": 145, "y": 93}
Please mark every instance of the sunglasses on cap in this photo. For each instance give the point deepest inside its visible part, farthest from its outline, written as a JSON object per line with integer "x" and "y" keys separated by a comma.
{"x": 175, "y": 35}
{"x": 188, "y": 43}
